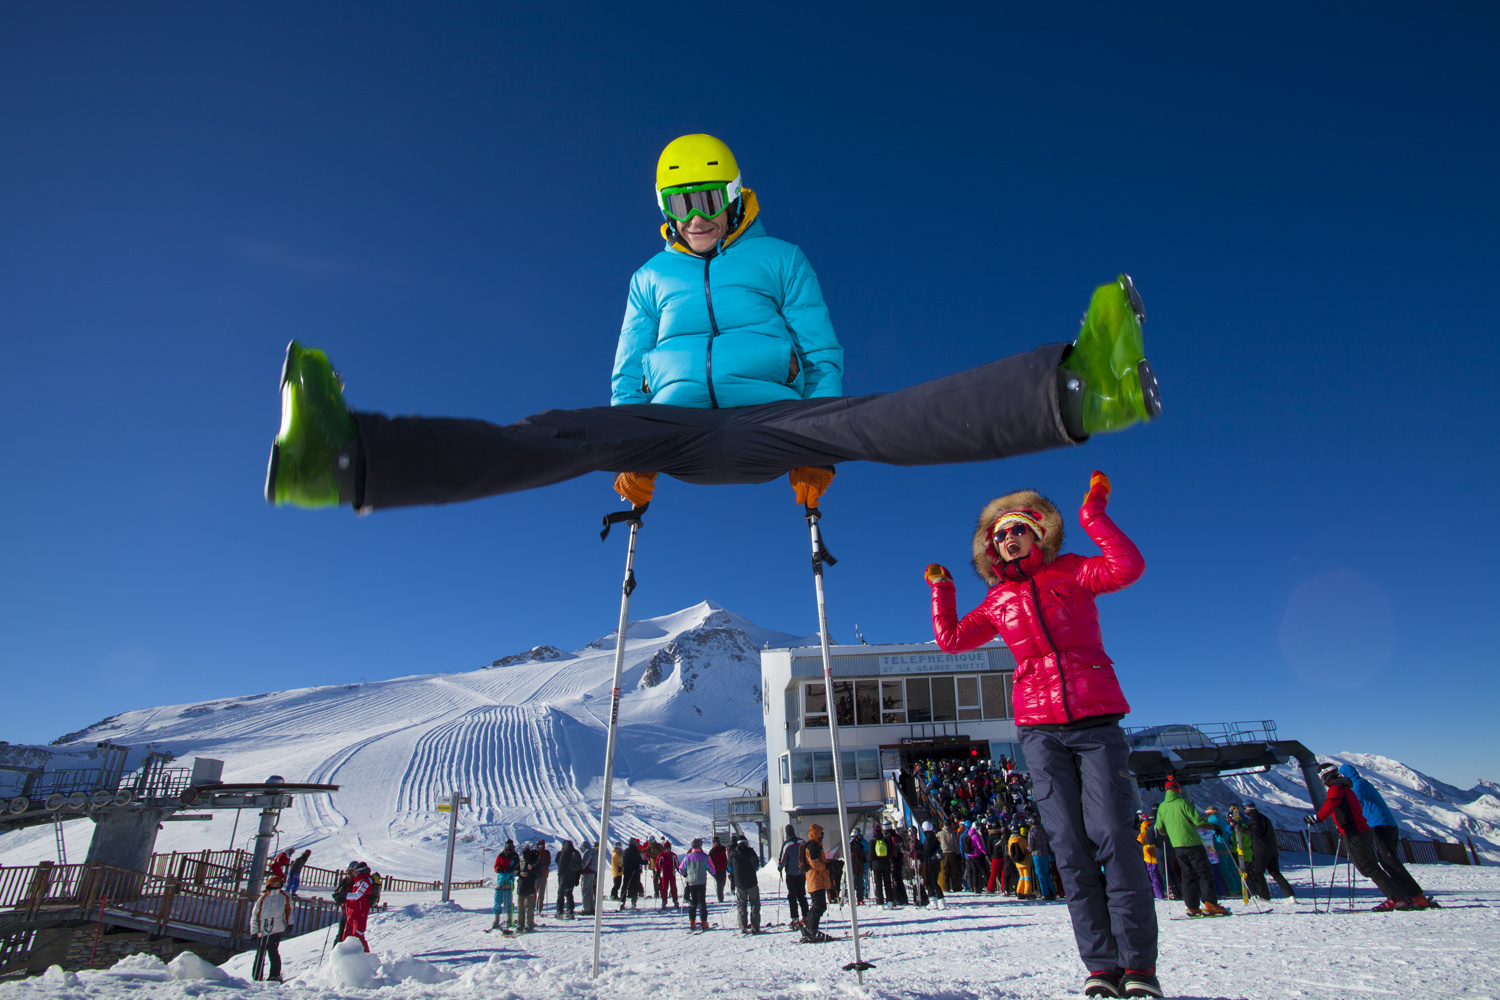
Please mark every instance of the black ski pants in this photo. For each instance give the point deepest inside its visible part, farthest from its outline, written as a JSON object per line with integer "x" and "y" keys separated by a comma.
{"x": 1366, "y": 858}
{"x": 1197, "y": 876}
{"x": 267, "y": 945}
{"x": 1081, "y": 780}
{"x": 885, "y": 890}
{"x": 697, "y": 902}
{"x": 816, "y": 911}
{"x": 796, "y": 895}
{"x": 1388, "y": 847}
{"x": 1007, "y": 407}
{"x": 1255, "y": 874}
{"x": 932, "y": 868}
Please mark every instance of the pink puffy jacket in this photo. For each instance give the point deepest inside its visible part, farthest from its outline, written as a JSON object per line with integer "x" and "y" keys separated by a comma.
{"x": 1045, "y": 613}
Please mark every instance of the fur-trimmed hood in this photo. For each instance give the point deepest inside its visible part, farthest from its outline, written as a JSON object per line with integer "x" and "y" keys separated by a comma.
{"x": 984, "y": 553}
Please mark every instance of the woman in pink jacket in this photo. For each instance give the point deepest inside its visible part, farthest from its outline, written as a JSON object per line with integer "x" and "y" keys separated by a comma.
{"x": 1068, "y": 706}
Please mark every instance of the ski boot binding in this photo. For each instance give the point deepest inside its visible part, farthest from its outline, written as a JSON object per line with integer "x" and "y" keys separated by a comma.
{"x": 1105, "y": 380}
{"x": 314, "y": 455}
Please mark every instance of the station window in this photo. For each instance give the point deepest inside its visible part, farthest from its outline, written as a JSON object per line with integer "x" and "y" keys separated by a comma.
{"x": 892, "y": 703}
{"x": 913, "y": 700}
{"x": 968, "y": 698}
{"x": 867, "y": 702}
{"x": 814, "y": 706}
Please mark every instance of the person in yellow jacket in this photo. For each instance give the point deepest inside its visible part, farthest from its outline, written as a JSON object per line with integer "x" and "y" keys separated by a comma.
{"x": 814, "y": 864}
{"x": 1147, "y": 839}
{"x": 617, "y": 869}
{"x": 1020, "y": 856}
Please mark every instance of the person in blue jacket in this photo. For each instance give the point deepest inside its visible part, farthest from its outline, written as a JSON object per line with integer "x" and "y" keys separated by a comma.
{"x": 727, "y": 371}
{"x": 1387, "y": 833}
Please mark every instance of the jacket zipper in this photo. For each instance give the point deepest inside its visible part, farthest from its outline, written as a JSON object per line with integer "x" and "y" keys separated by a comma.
{"x": 1062, "y": 682}
{"x": 708, "y": 293}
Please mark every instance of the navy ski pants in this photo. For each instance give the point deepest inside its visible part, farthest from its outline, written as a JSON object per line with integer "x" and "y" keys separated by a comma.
{"x": 1083, "y": 790}
{"x": 1007, "y": 407}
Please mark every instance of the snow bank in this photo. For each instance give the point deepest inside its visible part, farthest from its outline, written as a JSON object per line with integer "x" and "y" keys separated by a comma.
{"x": 349, "y": 966}
{"x": 141, "y": 966}
{"x": 191, "y": 967}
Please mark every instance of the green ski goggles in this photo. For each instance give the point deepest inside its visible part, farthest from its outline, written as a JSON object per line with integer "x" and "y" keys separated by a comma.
{"x": 707, "y": 200}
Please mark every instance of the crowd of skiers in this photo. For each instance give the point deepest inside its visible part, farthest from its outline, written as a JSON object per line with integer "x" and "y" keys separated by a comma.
{"x": 1202, "y": 856}
{"x": 521, "y": 877}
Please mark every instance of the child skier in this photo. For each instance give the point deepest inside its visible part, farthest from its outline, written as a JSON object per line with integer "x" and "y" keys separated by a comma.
{"x": 725, "y": 373}
{"x": 1068, "y": 705}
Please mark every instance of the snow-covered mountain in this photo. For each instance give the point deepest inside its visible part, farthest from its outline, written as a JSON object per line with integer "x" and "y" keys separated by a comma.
{"x": 524, "y": 738}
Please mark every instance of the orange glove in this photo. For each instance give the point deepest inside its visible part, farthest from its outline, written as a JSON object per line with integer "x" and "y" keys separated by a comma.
{"x": 1098, "y": 488}
{"x": 810, "y": 483}
{"x": 635, "y": 487}
{"x": 938, "y": 573}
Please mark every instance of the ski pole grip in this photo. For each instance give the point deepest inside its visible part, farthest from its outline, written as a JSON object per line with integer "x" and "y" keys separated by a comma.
{"x": 821, "y": 554}
{"x": 631, "y": 517}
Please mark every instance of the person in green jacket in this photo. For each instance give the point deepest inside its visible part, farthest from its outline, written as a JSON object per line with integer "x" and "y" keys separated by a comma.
{"x": 1179, "y": 819}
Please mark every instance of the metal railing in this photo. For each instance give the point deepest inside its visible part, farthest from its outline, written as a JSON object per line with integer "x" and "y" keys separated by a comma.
{"x": 1417, "y": 852}
{"x": 1201, "y": 734}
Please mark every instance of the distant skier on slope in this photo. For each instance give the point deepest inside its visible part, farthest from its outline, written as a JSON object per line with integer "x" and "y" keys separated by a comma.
{"x": 1068, "y": 706}
{"x": 725, "y": 373}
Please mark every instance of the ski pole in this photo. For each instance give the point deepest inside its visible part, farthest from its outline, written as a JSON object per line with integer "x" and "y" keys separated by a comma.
{"x": 633, "y": 519}
{"x": 1312, "y": 873}
{"x": 820, "y": 555}
{"x": 1333, "y": 875}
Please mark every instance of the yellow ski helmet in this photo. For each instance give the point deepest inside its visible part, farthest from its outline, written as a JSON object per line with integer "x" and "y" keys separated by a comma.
{"x": 696, "y": 175}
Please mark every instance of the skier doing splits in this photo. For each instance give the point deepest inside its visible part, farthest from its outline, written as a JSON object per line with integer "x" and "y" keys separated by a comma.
{"x": 1068, "y": 706}
{"x": 727, "y": 371}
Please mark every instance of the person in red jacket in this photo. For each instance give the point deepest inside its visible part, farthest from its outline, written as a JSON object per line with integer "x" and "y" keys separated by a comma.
{"x": 357, "y": 903}
{"x": 665, "y": 866}
{"x": 1068, "y": 706}
{"x": 718, "y": 861}
{"x": 1343, "y": 805}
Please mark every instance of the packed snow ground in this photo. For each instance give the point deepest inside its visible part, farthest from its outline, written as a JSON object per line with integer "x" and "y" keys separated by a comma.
{"x": 980, "y": 948}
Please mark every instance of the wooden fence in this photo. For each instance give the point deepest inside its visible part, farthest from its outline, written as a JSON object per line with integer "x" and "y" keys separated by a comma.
{"x": 164, "y": 902}
{"x": 232, "y": 868}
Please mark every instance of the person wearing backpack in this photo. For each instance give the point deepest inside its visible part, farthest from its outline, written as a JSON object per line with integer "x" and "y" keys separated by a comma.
{"x": 880, "y": 870}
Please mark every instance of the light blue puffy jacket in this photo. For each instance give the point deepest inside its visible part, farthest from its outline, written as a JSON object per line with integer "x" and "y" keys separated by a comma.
{"x": 721, "y": 331}
{"x": 1377, "y": 813}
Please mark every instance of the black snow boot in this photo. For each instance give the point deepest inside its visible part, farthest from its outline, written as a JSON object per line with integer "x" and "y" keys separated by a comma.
{"x": 1102, "y": 984}
{"x": 1140, "y": 984}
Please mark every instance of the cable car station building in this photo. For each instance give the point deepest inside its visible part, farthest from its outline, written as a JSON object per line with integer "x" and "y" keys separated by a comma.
{"x": 895, "y": 705}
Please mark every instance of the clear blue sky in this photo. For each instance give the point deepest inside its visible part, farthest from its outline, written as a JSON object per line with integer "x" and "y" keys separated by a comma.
{"x": 450, "y": 199}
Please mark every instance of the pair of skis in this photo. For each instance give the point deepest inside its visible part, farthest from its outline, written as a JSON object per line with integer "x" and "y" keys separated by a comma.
{"x": 820, "y": 556}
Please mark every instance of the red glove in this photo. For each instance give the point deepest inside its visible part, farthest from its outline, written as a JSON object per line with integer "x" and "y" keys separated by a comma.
{"x": 938, "y": 573}
{"x": 1098, "y": 489}
{"x": 809, "y": 483}
{"x": 636, "y": 488}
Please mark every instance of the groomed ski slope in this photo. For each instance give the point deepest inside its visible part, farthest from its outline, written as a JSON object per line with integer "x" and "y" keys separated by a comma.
{"x": 980, "y": 948}
{"x": 525, "y": 742}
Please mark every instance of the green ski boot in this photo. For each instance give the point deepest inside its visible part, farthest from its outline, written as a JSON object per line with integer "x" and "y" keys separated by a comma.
{"x": 314, "y": 456}
{"x": 1105, "y": 380}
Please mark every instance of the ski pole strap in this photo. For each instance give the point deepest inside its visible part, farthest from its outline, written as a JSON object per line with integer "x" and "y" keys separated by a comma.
{"x": 631, "y": 517}
{"x": 821, "y": 554}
